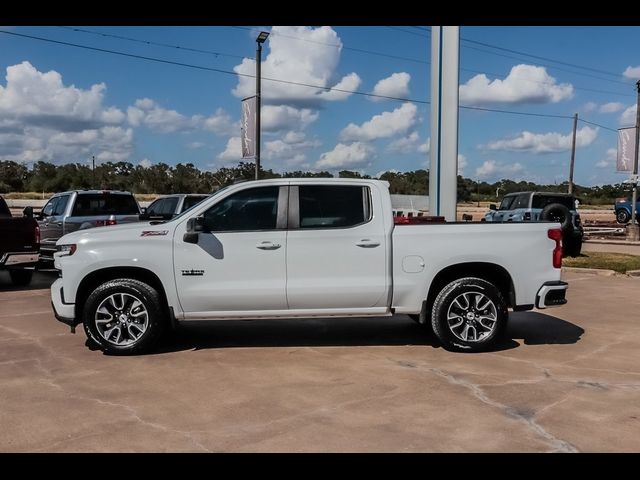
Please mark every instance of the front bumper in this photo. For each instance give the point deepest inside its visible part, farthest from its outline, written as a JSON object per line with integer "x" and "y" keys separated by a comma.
{"x": 64, "y": 312}
{"x": 552, "y": 294}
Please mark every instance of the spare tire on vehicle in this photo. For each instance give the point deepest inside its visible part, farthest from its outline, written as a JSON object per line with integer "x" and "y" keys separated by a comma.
{"x": 556, "y": 212}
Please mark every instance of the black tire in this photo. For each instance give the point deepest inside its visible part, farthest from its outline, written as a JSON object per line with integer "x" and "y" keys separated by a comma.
{"x": 448, "y": 302}
{"x": 572, "y": 248}
{"x": 556, "y": 212}
{"x": 21, "y": 278}
{"x": 622, "y": 216}
{"x": 147, "y": 318}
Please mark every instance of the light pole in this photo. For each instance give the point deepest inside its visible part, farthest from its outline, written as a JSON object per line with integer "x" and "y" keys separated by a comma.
{"x": 632, "y": 228}
{"x": 262, "y": 37}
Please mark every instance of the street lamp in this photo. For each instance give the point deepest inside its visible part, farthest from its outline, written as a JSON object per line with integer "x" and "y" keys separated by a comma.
{"x": 262, "y": 37}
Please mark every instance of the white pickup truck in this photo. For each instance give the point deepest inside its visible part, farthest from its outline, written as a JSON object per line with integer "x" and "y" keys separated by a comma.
{"x": 301, "y": 248}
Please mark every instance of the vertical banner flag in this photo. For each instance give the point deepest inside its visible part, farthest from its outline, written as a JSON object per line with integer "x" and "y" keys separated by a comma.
{"x": 248, "y": 127}
{"x": 626, "y": 149}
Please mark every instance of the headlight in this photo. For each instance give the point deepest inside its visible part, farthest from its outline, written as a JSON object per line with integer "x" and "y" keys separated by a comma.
{"x": 66, "y": 250}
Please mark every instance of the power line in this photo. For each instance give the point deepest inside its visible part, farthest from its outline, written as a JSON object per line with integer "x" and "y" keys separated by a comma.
{"x": 539, "y": 57}
{"x": 467, "y": 107}
{"x": 148, "y": 42}
{"x": 547, "y": 65}
{"x": 228, "y": 72}
{"x": 597, "y": 125}
{"x": 336, "y": 45}
{"x": 400, "y": 29}
{"x": 211, "y": 69}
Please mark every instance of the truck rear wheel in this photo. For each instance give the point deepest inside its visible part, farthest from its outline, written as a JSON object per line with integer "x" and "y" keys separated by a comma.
{"x": 469, "y": 314}
{"x": 124, "y": 316}
{"x": 20, "y": 278}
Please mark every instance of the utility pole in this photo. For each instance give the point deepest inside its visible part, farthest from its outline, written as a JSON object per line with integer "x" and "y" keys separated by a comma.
{"x": 632, "y": 230}
{"x": 93, "y": 171}
{"x": 262, "y": 37}
{"x": 573, "y": 152}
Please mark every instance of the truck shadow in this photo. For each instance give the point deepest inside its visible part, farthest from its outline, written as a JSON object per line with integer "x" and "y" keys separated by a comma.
{"x": 532, "y": 328}
{"x": 40, "y": 280}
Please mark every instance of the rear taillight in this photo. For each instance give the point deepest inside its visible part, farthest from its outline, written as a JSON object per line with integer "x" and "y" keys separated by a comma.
{"x": 106, "y": 223}
{"x": 37, "y": 234}
{"x": 556, "y": 234}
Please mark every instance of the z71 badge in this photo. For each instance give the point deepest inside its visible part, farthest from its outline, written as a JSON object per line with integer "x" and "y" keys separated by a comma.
{"x": 153, "y": 233}
{"x": 192, "y": 273}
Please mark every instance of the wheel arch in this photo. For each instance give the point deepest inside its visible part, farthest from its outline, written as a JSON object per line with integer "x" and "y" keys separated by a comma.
{"x": 491, "y": 272}
{"x": 98, "y": 277}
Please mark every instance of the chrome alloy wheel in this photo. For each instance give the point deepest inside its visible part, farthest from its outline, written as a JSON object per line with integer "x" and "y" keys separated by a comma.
{"x": 472, "y": 316}
{"x": 121, "y": 319}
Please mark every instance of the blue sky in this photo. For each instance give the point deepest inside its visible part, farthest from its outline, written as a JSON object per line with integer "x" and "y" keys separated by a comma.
{"x": 63, "y": 104}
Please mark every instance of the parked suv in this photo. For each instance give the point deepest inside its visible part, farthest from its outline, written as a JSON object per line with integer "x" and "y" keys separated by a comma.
{"x": 169, "y": 206}
{"x": 67, "y": 212}
{"x": 622, "y": 207}
{"x": 543, "y": 207}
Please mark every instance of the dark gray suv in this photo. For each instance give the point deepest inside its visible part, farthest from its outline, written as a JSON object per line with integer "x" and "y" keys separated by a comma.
{"x": 543, "y": 207}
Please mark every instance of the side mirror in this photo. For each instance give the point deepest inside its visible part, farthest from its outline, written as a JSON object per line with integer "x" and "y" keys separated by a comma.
{"x": 493, "y": 207}
{"x": 143, "y": 210}
{"x": 28, "y": 212}
{"x": 195, "y": 226}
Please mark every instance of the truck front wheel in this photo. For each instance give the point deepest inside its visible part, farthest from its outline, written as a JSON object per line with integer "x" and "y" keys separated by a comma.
{"x": 469, "y": 314}
{"x": 124, "y": 316}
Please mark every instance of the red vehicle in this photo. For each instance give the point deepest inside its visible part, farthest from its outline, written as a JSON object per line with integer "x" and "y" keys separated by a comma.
{"x": 19, "y": 244}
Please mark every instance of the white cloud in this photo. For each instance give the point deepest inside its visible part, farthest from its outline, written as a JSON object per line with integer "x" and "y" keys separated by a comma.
{"x": 590, "y": 107}
{"x": 41, "y": 118}
{"x": 628, "y": 117}
{"x": 491, "y": 169}
{"x": 610, "y": 159}
{"x": 302, "y": 60}
{"x": 462, "y": 163}
{"x": 632, "y": 72}
{"x": 283, "y": 117}
{"x": 382, "y": 172}
{"x": 221, "y": 123}
{"x": 544, "y": 142}
{"x": 425, "y": 147}
{"x": 41, "y": 99}
{"x": 397, "y": 85}
{"x": 611, "y": 107}
{"x": 195, "y": 145}
{"x": 147, "y": 112}
{"x": 290, "y": 150}
{"x": 145, "y": 163}
{"x": 356, "y": 154}
{"x": 384, "y": 125}
{"x": 233, "y": 150}
{"x": 524, "y": 84}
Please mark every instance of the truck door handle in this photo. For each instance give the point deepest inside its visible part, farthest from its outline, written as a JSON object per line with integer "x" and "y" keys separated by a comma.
{"x": 268, "y": 246}
{"x": 367, "y": 243}
{"x": 56, "y": 223}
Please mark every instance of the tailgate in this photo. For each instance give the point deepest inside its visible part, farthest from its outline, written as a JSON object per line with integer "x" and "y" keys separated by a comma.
{"x": 17, "y": 235}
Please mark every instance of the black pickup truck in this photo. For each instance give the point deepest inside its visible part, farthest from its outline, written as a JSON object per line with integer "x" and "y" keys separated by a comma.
{"x": 19, "y": 244}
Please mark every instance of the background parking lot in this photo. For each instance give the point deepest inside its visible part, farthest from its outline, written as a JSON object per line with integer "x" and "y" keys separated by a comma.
{"x": 567, "y": 379}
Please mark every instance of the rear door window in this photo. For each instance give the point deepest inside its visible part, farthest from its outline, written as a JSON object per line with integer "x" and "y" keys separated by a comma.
{"x": 105, "y": 204}
{"x": 329, "y": 206}
{"x": 191, "y": 201}
{"x": 541, "y": 201}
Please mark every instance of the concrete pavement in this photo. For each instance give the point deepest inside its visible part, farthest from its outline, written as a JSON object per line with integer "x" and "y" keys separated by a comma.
{"x": 567, "y": 380}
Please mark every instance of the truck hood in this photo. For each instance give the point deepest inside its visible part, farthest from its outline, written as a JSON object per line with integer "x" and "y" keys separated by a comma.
{"x": 127, "y": 231}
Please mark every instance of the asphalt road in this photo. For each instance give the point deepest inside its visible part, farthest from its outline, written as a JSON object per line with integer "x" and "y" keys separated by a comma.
{"x": 566, "y": 380}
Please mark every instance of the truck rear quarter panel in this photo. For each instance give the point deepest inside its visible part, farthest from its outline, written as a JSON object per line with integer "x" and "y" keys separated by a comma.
{"x": 420, "y": 252}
